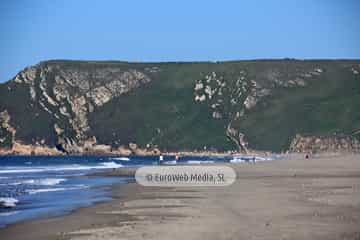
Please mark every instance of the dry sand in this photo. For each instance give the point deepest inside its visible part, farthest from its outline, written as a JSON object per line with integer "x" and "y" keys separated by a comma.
{"x": 317, "y": 198}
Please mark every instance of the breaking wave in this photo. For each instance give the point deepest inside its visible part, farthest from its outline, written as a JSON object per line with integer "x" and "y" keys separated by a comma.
{"x": 33, "y": 191}
{"x": 121, "y": 158}
{"x": 8, "y": 202}
{"x": 44, "y": 181}
{"x": 72, "y": 167}
{"x": 200, "y": 161}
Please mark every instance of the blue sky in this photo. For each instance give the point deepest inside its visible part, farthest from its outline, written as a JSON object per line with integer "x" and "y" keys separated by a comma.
{"x": 178, "y": 30}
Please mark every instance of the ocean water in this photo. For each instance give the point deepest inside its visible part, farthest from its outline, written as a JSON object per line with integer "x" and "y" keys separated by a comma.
{"x": 43, "y": 186}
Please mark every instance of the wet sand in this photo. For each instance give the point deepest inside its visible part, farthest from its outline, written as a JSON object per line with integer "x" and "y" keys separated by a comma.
{"x": 316, "y": 198}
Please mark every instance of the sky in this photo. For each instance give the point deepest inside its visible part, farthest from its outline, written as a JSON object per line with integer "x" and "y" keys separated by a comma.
{"x": 177, "y": 30}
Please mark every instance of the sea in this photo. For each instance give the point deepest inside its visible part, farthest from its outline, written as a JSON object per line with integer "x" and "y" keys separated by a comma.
{"x": 46, "y": 186}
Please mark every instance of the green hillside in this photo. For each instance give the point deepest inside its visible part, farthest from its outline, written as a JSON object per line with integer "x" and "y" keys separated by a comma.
{"x": 181, "y": 106}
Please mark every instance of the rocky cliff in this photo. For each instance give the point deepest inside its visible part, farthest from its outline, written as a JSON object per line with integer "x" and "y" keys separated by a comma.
{"x": 102, "y": 107}
{"x": 316, "y": 144}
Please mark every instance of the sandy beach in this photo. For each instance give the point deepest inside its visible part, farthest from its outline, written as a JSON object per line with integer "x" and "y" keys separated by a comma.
{"x": 298, "y": 198}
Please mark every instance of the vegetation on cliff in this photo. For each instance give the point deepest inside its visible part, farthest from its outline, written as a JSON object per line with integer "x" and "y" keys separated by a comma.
{"x": 80, "y": 105}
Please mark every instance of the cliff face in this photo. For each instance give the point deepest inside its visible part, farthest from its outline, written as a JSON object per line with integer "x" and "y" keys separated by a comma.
{"x": 65, "y": 94}
{"x": 78, "y": 106}
{"x": 316, "y": 144}
{"x": 71, "y": 92}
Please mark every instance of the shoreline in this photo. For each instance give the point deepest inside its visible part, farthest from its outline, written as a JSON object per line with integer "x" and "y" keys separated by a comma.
{"x": 182, "y": 153}
{"x": 12, "y": 232}
{"x": 320, "y": 196}
{"x": 136, "y": 152}
{"x": 114, "y": 154}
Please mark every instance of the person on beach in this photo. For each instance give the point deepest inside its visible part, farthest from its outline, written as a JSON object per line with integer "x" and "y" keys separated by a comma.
{"x": 177, "y": 158}
{"x": 161, "y": 159}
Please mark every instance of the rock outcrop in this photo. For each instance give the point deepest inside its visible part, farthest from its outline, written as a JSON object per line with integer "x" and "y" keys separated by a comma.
{"x": 8, "y": 132}
{"x": 231, "y": 95}
{"x": 69, "y": 93}
{"x": 77, "y": 91}
{"x": 332, "y": 143}
{"x": 20, "y": 148}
